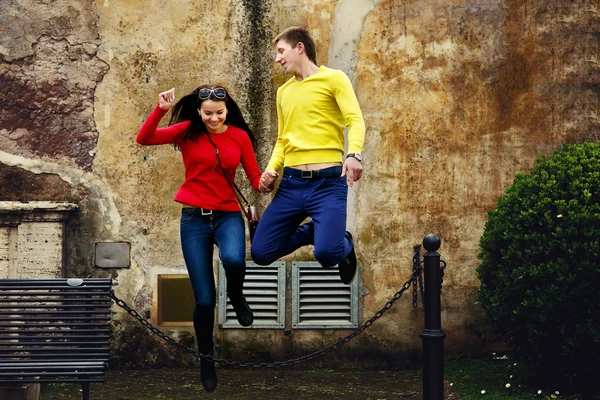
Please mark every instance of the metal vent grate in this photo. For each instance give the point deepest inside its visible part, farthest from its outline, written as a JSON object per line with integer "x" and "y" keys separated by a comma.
{"x": 264, "y": 289}
{"x": 320, "y": 300}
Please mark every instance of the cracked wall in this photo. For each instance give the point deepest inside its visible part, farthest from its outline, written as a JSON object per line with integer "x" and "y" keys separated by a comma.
{"x": 48, "y": 75}
{"x": 458, "y": 96}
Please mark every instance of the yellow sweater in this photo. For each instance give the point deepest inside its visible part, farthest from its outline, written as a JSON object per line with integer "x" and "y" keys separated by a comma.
{"x": 312, "y": 114}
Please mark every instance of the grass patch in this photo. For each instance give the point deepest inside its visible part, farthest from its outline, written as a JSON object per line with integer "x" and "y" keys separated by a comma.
{"x": 59, "y": 384}
{"x": 498, "y": 378}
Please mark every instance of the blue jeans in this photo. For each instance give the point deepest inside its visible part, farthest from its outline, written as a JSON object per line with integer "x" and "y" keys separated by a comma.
{"x": 279, "y": 232}
{"x": 198, "y": 235}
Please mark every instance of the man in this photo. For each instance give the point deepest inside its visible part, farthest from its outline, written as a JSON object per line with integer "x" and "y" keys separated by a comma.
{"x": 313, "y": 107}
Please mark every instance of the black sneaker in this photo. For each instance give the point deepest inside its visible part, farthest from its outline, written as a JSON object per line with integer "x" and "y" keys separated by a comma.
{"x": 243, "y": 312}
{"x": 208, "y": 375}
{"x": 347, "y": 268}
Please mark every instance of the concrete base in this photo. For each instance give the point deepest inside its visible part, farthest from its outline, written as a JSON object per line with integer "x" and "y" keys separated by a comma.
{"x": 23, "y": 391}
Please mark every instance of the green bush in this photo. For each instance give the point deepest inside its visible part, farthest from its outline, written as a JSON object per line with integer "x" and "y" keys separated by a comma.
{"x": 540, "y": 265}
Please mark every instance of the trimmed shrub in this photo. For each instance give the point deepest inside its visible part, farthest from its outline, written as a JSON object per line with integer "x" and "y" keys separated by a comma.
{"x": 540, "y": 265}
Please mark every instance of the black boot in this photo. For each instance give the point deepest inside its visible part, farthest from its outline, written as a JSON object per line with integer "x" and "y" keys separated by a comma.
{"x": 347, "y": 268}
{"x": 235, "y": 284}
{"x": 203, "y": 325}
{"x": 208, "y": 374}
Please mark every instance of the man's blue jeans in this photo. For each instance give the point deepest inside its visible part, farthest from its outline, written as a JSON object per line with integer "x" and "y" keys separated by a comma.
{"x": 279, "y": 232}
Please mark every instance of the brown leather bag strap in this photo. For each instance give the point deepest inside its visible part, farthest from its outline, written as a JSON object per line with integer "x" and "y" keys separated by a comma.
{"x": 236, "y": 190}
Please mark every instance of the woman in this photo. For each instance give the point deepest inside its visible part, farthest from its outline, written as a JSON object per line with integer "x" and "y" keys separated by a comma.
{"x": 204, "y": 119}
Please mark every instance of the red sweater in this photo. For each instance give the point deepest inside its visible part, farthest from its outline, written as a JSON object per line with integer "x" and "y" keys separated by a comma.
{"x": 205, "y": 185}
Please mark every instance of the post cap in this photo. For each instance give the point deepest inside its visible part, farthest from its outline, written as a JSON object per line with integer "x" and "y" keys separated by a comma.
{"x": 431, "y": 242}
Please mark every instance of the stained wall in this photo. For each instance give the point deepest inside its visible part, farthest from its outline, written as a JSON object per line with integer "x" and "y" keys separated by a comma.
{"x": 458, "y": 96}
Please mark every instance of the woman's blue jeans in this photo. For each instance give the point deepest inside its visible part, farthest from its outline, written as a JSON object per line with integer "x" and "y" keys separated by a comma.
{"x": 199, "y": 234}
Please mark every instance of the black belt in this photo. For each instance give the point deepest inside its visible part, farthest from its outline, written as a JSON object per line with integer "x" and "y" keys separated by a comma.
{"x": 200, "y": 211}
{"x": 331, "y": 172}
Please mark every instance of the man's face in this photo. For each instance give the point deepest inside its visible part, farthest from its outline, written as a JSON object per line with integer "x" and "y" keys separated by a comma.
{"x": 287, "y": 56}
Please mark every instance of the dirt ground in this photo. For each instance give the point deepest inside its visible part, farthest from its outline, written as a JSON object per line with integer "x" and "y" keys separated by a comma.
{"x": 282, "y": 384}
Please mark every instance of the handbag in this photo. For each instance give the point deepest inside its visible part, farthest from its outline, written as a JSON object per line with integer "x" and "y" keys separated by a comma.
{"x": 250, "y": 211}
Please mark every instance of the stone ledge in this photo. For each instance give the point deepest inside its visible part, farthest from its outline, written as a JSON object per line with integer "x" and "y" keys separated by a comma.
{"x": 30, "y": 206}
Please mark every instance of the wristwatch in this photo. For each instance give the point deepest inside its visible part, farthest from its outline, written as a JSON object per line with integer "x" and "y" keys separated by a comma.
{"x": 355, "y": 155}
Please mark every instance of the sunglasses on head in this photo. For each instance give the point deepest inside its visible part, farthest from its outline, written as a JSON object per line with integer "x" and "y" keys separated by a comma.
{"x": 217, "y": 93}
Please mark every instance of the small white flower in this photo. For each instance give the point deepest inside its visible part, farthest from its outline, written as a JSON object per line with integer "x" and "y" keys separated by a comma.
{"x": 483, "y": 392}
{"x": 493, "y": 354}
{"x": 557, "y": 392}
{"x": 510, "y": 377}
{"x": 508, "y": 385}
{"x": 451, "y": 384}
{"x": 539, "y": 392}
{"x": 515, "y": 364}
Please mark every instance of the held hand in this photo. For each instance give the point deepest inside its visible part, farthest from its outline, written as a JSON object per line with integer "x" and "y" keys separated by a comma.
{"x": 267, "y": 181}
{"x": 353, "y": 168}
{"x": 166, "y": 99}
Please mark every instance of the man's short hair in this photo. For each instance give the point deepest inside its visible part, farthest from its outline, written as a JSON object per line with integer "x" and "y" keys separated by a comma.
{"x": 294, "y": 35}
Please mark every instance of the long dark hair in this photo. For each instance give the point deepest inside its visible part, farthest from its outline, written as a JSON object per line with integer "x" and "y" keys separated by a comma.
{"x": 186, "y": 109}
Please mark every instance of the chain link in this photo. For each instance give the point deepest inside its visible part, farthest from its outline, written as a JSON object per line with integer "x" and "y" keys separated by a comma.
{"x": 421, "y": 289}
{"x": 442, "y": 268}
{"x": 416, "y": 261}
{"x": 276, "y": 364}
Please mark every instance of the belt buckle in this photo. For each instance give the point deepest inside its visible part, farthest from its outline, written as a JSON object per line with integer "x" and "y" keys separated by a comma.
{"x": 205, "y": 212}
{"x": 308, "y": 175}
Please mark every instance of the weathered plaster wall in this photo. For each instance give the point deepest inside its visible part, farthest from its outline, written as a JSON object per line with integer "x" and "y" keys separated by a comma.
{"x": 458, "y": 96}
{"x": 468, "y": 93}
{"x": 48, "y": 75}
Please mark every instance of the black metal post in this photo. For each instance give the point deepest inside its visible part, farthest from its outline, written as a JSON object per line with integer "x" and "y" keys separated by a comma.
{"x": 86, "y": 390}
{"x": 433, "y": 336}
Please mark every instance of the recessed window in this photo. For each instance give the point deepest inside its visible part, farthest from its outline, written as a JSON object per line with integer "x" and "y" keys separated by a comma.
{"x": 175, "y": 300}
{"x": 320, "y": 300}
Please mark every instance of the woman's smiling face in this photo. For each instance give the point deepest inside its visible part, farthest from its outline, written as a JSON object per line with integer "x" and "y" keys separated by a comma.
{"x": 213, "y": 114}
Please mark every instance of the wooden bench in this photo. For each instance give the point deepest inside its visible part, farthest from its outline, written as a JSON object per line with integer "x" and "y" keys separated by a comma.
{"x": 54, "y": 330}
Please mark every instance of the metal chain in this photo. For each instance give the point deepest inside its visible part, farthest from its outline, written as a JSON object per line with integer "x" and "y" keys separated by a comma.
{"x": 442, "y": 268}
{"x": 416, "y": 261}
{"x": 421, "y": 265}
{"x": 276, "y": 364}
{"x": 421, "y": 289}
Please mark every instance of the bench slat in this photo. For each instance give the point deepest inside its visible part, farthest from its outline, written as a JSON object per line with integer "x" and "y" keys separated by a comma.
{"x": 73, "y": 293}
{"x": 51, "y": 368}
{"x": 4, "y": 358}
{"x": 67, "y": 303}
{"x": 91, "y": 312}
{"x": 46, "y": 380}
{"x": 59, "y": 335}
{"x": 57, "y": 372}
{"x": 55, "y": 325}
{"x": 28, "y": 319}
{"x": 18, "y": 345}
{"x": 53, "y": 280}
{"x": 51, "y": 362}
{"x": 10, "y": 302}
{"x": 38, "y": 349}
{"x": 25, "y": 332}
